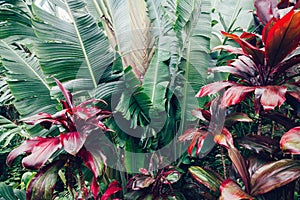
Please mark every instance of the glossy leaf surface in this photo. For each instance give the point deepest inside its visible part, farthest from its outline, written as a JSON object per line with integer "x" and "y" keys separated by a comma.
{"x": 290, "y": 141}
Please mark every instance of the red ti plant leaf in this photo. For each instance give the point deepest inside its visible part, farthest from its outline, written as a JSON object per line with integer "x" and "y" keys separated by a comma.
{"x": 210, "y": 180}
{"x": 272, "y": 96}
{"x": 257, "y": 54}
{"x": 197, "y": 136}
{"x": 89, "y": 161}
{"x": 112, "y": 188}
{"x": 73, "y": 141}
{"x": 213, "y": 88}
{"x": 67, "y": 94}
{"x": 266, "y": 10}
{"x": 201, "y": 114}
{"x": 225, "y": 139}
{"x": 274, "y": 175}
{"x": 43, "y": 183}
{"x": 283, "y": 37}
{"x": 40, "y": 150}
{"x": 290, "y": 141}
{"x": 231, "y": 190}
{"x": 235, "y": 95}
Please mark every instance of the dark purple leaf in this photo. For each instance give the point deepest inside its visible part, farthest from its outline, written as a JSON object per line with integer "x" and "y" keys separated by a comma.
{"x": 213, "y": 88}
{"x": 283, "y": 4}
{"x": 279, "y": 118}
{"x": 259, "y": 144}
{"x": 40, "y": 150}
{"x": 230, "y": 190}
{"x": 283, "y": 37}
{"x": 240, "y": 165}
{"x": 290, "y": 141}
{"x": 231, "y": 70}
{"x": 73, "y": 141}
{"x": 43, "y": 183}
{"x": 112, "y": 188}
{"x": 274, "y": 175}
{"x": 266, "y": 10}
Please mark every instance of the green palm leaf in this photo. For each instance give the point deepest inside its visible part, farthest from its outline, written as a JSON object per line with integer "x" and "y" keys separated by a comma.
{"x": 193, "y": 31}
{"x": 26, "y": 80}
{"x": 75, "y": 52}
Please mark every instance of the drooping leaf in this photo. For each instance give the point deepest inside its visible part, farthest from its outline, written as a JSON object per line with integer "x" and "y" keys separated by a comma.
{"x": 290, "y": 141}
{"x": 112, "y": 188}
{"x": 274, "y": 175}
{"x": 231, "y": 190}
{"x": 283, "y": 37}
{"x": 271, "y": 96}
{"x": 235, "y": 95}
{"x": 213, "y": 88}
{"x": 25, "y": 80}
{"x": 78, "y": 46}
{"x": 40, "y": 150}
{"x": 15, "y": 16}
{"x": 257, "y": 54}
{"x": 89, "y": 161}
{"x": 197, "y": 136}
{"x": 72, "y": 142}
{"x": 128, "y": 27}
{"x": 209, "y": 180}
{"x": 259, "y": 144}
{"x": 43, "y": 183}
{"x": 241, "y": 166}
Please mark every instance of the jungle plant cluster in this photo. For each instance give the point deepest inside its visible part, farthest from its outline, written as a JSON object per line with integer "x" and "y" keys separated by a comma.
{"x": 94, "y": 92}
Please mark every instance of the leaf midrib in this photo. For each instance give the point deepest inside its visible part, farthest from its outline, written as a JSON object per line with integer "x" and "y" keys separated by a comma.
{"x": 82, "y": 45}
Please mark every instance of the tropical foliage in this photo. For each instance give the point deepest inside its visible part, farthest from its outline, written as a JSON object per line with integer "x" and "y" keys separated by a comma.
{"x": 119, "y": 99}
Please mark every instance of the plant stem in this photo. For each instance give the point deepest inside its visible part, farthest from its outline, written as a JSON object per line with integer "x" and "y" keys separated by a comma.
{"x": 82, "y": 184}
{"x": 223, "y": 162}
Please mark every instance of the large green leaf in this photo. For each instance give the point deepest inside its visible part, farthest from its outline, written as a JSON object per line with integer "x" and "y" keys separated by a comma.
{"x": 15, "y": 16}
{"x": 134, "y": 104}
{"x": 193, "y": 31}
{"x": 77, "y": 51}
{"x": 8, "y": 193}
{"x": 127, "y": 25}
{"x": 26, "y": 80}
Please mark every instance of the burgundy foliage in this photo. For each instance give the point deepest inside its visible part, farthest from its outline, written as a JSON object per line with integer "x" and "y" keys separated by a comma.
{"x": 78, "y": 122}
